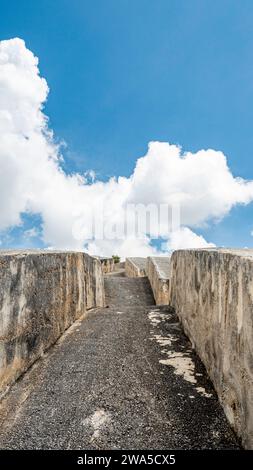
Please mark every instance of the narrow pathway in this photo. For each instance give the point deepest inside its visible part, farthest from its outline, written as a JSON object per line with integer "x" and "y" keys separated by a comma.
{"x": 124, "y": 377}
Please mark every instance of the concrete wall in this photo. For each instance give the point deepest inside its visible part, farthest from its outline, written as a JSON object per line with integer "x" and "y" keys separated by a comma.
{"x": 120, "y": 265}
{"x": 41, "y": 294}
{"x": 108, "y": 265}
{"x": 212, "y": 292}
{"x": 135, "y": 267}
{"x": 157, "y": 269}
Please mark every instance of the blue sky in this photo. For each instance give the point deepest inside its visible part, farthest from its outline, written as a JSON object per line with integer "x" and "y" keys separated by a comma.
{"x": 122, "y": 73}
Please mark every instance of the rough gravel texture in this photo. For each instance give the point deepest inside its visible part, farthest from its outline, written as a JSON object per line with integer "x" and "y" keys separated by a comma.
{"x": 102, "y": 386}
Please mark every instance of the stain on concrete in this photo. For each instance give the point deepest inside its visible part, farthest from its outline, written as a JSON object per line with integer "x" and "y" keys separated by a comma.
{"x": 181, "y": 361}
{"x": 97, "y": 421}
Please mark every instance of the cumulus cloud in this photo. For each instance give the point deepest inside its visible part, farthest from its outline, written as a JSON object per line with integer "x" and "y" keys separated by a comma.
{"x": 31, "y": 233}
{"x": 200, "y": 182}
{"x": 186, "y": 238}
{"x": 33, "y": 181}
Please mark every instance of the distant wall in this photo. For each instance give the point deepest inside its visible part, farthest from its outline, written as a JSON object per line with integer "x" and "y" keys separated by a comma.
{"x": 108, "y": 265}
{"x": 41, "y": 294}
{"x": 212, "y": 292}
{"x": 120, "y": 265}
{"x": 157, "y": 269}
{"x": 135, "y": 267}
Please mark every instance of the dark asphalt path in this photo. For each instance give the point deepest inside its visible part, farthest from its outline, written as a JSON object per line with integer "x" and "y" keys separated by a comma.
{"x": 102, "y": 386}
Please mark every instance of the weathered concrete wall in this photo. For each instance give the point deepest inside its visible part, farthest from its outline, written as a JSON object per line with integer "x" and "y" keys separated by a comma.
{"x": 158, "y": 269}
{"x": 41, "y": 294}
{"x": 135, "y": 267}
{"x": 108, "y": 265}
{"x": 120, "y": 265}
{"x": 212, "y": 292}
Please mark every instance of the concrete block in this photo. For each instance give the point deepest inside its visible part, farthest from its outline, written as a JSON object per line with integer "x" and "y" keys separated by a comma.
{"x": 212, "y": 292}
{"x": 158, "y": 272}
{"x": 41, "y": 294}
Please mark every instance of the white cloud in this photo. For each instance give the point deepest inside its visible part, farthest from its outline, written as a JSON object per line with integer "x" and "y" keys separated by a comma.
{"x": 129, "y": 247}
{"x": 31, "y": 233}
{"x": 90, "y": 176}
{"x": 201, "y": 182}
{"x": 32, "y": 180}
{"x": 185, "y": 238}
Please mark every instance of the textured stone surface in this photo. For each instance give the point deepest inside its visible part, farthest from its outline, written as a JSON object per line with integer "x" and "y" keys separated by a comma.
{"x": 135, "y": 267}
{"x": 125, "y": 377}
{"x": 41, "y": 294}
{"x": 108, "y": 265}
{"x": 158, "y": 272}
{"x": 212, "y": 292}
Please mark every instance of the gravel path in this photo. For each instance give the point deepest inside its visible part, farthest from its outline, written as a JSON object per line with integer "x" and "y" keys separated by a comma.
{"x": 123, "y": 377}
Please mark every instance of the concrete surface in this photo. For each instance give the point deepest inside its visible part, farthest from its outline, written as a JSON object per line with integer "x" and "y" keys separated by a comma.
{"x": 212, "y": 292}
{"x": 125, "y": 377}
{"x": 41, "y": 294}
{"x": 108, "y": 264}
{"x": 158, "y": 272}
{"x": 135, "y": 267}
